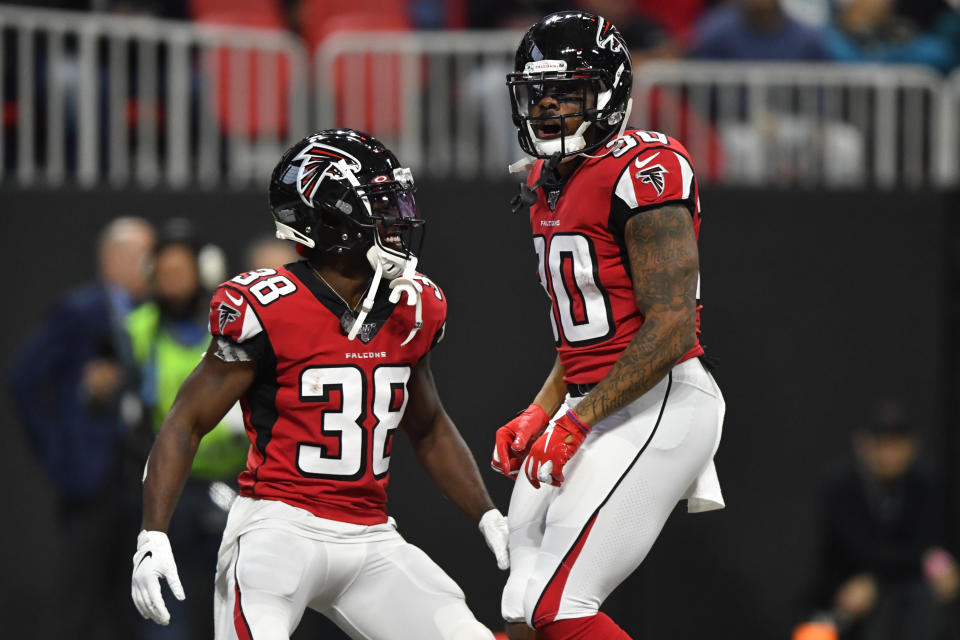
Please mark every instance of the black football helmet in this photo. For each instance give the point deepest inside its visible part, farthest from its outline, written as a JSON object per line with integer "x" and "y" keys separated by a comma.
{"x": 573, "y": 55}
{"x": 330, "y": 189}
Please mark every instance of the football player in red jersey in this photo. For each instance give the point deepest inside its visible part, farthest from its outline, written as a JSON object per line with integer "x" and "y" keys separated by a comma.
{"x": 628, "y": 419}
{"x": 327, "y": 356}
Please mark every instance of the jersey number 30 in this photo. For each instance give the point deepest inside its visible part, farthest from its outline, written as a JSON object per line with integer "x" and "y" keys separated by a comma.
{"x": 344, "y": 419}
{"x": 567, "y": 267}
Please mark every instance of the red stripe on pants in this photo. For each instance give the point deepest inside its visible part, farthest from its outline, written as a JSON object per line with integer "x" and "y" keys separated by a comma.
{"x": 549, "y": 604}
{"x": 239, "y": 620}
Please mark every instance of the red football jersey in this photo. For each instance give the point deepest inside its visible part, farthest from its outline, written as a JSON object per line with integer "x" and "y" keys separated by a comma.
{"x": 321, "y": 413}
{"x": 581, "y": 256}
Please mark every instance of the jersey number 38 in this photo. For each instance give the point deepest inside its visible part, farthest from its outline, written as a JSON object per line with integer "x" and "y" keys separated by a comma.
{"x": 345, "y": 390}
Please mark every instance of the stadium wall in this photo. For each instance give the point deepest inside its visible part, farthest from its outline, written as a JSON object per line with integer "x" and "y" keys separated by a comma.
{"x": 817, "y": 305}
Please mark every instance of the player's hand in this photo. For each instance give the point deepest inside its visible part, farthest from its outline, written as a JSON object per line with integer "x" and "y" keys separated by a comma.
{"x": 554, "y": 449}
{"x": 152, "y": 561}
{"x": 514, "y": 438}
{"x": 494, "y": 528}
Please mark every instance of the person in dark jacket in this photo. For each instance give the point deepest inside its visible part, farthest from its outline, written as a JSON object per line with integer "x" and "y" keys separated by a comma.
{"x": 69, "y": 385}
{"x": 884, "y": 570}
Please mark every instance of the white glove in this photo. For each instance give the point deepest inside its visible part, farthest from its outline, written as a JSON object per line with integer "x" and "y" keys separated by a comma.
{"x": 494, "y": 528}
{"x": 152, "y": 561}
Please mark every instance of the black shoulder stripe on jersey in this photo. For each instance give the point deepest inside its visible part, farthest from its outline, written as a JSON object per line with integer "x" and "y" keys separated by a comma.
{"x": 378, "y": 316}
{"x": 663, "y": 406}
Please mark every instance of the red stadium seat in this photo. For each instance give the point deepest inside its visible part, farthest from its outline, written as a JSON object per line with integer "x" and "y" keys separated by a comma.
{"x": 380, "y": 112}
{"x": 248, "y": 13}
{"x": 264, "y": 14}
{"x": 320, "y": 18}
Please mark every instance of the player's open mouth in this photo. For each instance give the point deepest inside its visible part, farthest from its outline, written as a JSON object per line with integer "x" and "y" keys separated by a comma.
{"x": 393, "y": 241}
{"x": 548, "y": 129}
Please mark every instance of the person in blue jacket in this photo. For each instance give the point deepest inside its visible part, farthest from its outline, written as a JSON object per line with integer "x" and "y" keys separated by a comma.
{"x": 870, "y": 31}
{"x": 71, "y": 387}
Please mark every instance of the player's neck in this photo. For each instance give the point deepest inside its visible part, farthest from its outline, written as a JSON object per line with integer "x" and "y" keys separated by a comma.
{"x": 347, "y": 276}
{"x": 568, "y": 165}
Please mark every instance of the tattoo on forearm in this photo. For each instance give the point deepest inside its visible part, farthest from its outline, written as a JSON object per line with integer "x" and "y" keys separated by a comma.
{"x": 664, "y": 264}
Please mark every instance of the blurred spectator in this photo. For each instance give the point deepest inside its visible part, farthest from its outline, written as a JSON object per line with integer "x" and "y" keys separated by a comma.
{"x": 870, "y": 31}
{"x": 813, "y": 13}
{"x": 68, "y": 384}
{"x": 676, "y": 16}
{"x": 884, "y": 573}
{"x": 754, "y": 30}
{"x": 270, "y": 253}
{"x": 645, "y": 37}
{"x": 923, "y": 13}
{"x": 169, "y": 335}
{"x": 515, "y": 14}
{"x": 158, "y": 8}
{"x": 438, "y": 14}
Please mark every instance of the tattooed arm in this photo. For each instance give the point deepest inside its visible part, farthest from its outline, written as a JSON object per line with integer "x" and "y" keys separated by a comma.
{"x": 664, "y": 262}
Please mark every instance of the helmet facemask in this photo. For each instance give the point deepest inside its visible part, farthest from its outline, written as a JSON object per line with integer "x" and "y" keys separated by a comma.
{"x": 589, "y": 89}
{"x": 394, "y": 225}
{"x": 397, "y": 231}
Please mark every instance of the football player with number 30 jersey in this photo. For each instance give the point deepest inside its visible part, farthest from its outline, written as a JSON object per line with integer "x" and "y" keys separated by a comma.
{"x": 628, "y": 420}
{"x": 328, "y": 357}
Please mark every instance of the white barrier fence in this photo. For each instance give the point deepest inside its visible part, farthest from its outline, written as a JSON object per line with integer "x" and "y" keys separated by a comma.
{"x": 438, "y": 98}
{"x": 799, "y": 124}
{"x": 752, "y": 124}
{"x": 950, "y": 132}
{"x": 96, "y": 99}
{"x": 115, "y": 99}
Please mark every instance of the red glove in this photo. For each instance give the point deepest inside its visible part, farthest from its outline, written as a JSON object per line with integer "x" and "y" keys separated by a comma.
{"x": 514, "y": 438}
{"x": 554, "y": 449}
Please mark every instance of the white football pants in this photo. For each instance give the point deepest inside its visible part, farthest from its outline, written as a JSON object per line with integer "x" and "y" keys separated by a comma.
{"x": 571, "y": 546}
{"x": 276, "y": 560}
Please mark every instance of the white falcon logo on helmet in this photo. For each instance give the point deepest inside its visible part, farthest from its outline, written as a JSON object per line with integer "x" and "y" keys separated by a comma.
{"x": 607, "y": 36}
{"x": 315, "y": 156}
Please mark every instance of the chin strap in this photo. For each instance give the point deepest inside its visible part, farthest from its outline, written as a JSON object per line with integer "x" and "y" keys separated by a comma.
{"x": 367, "y": 304}
{"x": 528, "y": 196}
{"x": 401, "y": 283}
{"x": 405, "y": 283}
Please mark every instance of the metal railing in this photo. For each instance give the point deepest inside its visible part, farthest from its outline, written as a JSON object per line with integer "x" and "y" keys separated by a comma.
{"x": 949, "y": 118}
{"x": 115, "y": 100}
{"x": 118, "y": 99}
{"x": 438, "y": 98}
{"x": 831, "y": 125}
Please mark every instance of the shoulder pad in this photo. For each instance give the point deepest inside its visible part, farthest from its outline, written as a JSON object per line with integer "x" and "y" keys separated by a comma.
{"x": 231, "y": 314}
{"x": 654, "y": 174}
{"x": 429, "y": 285}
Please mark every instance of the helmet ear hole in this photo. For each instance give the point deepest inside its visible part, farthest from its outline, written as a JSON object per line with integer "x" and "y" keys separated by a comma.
{"x": 328, "y": 218}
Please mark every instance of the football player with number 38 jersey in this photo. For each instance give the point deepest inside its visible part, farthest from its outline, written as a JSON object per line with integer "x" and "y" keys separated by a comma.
{"x": 328, "y": 356}
{"x": 628, "y": 420}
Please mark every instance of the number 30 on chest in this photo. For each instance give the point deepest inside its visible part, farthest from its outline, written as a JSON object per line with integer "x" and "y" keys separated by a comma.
{"x": 568, "y": 270}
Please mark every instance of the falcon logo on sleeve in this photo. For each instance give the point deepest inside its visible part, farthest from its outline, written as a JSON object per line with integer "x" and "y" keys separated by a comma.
{"x": 227, "y": 315}
{"x": 652, "y": 175}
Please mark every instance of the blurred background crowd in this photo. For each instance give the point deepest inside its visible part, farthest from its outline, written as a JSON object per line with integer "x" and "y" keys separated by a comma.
{"x": 136, "y": 141}
{"x": 920, "y": 31}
